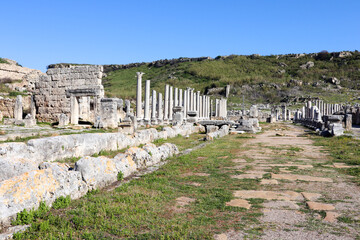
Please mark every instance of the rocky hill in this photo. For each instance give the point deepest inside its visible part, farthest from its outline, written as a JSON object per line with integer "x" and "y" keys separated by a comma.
{"x": 14, "y": 77}
{"x": 291, "y": 78}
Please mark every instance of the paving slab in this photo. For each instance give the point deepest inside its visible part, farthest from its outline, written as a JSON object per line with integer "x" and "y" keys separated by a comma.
{"x": 239, "y": 203}
{"x": 247, "y": 176}
{"x": 311, "y": 196}
{"x": 294, "y": 177}
{"x": 331, "y": 217}
{"x": 299, "y": 166}
{"x": 342, "y": 165}
{"x": 239, "y": 160}
{"x": 269, "y": 182}
{"x": 320, "y": 206}
{"x": 269, "y": 195}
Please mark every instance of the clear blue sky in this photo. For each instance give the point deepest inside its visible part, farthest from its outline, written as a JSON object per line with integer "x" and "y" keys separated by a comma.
{"x": 37, "y": 33}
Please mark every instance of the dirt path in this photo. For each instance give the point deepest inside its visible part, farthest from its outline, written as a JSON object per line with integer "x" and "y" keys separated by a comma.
{"x": 302, "y": 196}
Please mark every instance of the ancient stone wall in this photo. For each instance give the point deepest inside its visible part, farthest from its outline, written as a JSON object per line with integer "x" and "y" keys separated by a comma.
{"x": 52, "y": 95}
{"x": 7, "y": 106}
{"x": 31, "y": 180}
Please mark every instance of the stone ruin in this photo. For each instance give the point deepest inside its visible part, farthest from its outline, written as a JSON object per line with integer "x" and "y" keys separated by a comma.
{"x": 74, "y": 94}
{"x": 177, "y": 106}
{"x": 75, "y": 91}
{"x": 327, "y": 119}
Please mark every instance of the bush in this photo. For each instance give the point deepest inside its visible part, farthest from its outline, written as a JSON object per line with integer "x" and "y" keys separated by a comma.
{"x": 323, "y": 55}
{"x": 27, "y": 217}
{"x": 61, "y": 202}
{"x": 120, "y": 176}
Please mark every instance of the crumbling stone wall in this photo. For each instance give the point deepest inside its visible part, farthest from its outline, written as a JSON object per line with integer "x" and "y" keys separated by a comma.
{"x": 7, "y": 106}
{"x": 52, "y": 90}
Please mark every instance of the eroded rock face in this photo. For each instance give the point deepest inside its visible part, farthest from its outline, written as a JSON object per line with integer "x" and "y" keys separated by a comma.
{"x": 29, "y": 189}
{"x": 15, "y": 72}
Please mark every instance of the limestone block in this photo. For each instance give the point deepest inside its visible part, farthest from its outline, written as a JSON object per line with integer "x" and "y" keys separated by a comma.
{"x": 336, "y": 129}
{"x": 108, "y": 113}
{"x": 63, "y": 120}
{"x": 97, "y": 172}
{"x": 139, "y": 156}
{"x": 125, "y": 164}
{"x": 14, "y": 167}
{"x": 223, "y": 131}
{"x": 29, "y": 189}
{"x": 211, "y": 128}
{"x": 170, "y": 132}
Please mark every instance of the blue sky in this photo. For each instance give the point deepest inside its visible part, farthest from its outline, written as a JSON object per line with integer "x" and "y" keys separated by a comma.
{"x": 37, "y": 33}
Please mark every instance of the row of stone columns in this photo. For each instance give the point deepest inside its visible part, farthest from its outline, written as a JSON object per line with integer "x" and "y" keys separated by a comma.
{"x": 315, "y": 110}
{"x": 282, "y": 113}
{"x": 189, "y": 100}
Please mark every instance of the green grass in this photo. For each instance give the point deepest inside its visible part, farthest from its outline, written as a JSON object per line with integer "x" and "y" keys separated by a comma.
{"x": 259, "y": 73}
{"x": 182, "y": 142}
{"x": 344, "y": 149}
{"x": 145, "y": 208}
{"x": 3, "y": 61}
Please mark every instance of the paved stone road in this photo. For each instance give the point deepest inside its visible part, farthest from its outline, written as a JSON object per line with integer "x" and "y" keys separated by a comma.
{"x": 304, "y": 196}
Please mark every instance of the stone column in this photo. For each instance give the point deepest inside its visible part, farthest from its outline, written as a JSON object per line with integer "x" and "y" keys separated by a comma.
{"x": 127, "y": 107}
{"x": 211, "y": 107}
{"x": 176, "y": 97}
{"x": 18, "y": 110}
{"x": 180, "y": 97}
{"x": 194, "y": 102}
{"x": 201, "y": 115}
{"x": 32, "y": 108}
{"x": 320, "y": 106}
{"x": 227, "y": 91}
{"x": 216, "y": 107}
{"x": 153, "y": 106}
{"x": 208, "y": 108}
{"x": 185, "y": 103}
{"x": 138, "y": 96}
{"x": 74, "y": 110}
{"x": 303, "y": 112}
{"x": 204, "y": 106}
{"x": 171, "y": 103}
{"x": 160, "y": 108}
{"x": 309, "y": 109}
{"x": 147, "y": 101}
{"x": 198, "y": 103}
{"x": 166, "y": 105}
{"x": 191, "y": 100}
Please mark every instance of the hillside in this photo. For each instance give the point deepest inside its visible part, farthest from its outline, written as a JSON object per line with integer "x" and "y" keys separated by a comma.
{"x": 334, "y": 77}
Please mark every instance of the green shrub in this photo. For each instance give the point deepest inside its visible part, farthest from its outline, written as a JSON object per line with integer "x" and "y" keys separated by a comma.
{"x": 27, "y": 217}
{"x": 61, "y": 202}
{"x": 120, "y": 176}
